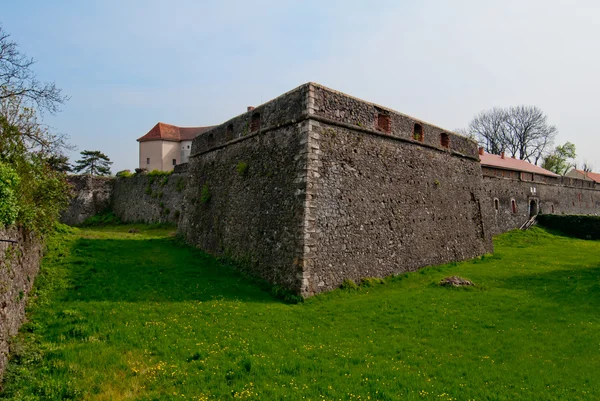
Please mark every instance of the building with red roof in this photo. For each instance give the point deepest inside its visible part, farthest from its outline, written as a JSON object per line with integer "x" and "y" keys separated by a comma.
{"x": 166, "y": 145}
{"x": 584, "y": 175}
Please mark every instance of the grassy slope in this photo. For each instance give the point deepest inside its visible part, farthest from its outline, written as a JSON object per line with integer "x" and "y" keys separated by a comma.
{"x": 136, "y": 316}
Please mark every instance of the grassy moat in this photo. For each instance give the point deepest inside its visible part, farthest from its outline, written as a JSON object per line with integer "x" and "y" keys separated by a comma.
{"x": 138, "y": 316}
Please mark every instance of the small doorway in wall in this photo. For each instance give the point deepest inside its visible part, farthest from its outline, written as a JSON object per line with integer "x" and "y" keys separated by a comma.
{"x": 533, "y": 208}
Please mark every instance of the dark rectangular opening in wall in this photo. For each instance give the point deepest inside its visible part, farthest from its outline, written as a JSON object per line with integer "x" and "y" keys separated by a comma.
{"x": 445, "y": 140}
{"x": 513, "y": 204}
{"x": 255, "y": 122}
{"x": 147, "y": 160}
{"x": 210, "y": 140}
{"x": 229, "y": 132}
{"x": 384, "y": 123}
{"x": 418, "y": 132}
{"x": 496, "y": 204}
{"x": 174, "y": 162}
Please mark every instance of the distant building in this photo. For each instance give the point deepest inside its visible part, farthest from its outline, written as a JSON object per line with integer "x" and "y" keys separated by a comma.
{"x": 166, "y": 145}
{"x": 584, "y": 175}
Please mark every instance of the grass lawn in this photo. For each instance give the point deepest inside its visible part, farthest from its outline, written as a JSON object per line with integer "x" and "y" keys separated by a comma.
{"x": 120, "y": 316}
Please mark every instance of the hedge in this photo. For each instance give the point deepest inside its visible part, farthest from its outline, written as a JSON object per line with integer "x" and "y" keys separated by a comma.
{"x": 579, "y": 226}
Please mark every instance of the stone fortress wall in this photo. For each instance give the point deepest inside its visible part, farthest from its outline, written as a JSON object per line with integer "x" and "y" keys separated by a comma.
{"x": 315, "y": 187}
{"x": 513, "y": 197}
{"x": 138, "y": 199}
{"x": 335, "y": 188}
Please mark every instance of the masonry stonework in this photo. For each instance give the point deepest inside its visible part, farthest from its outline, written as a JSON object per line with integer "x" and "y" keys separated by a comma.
{"x": 533, "y": 194}
{"x": 331, "y": 193}
{"x": 315, "y": 187}
{"x": 20, "y": 255}
{"x": 91, "y": 195}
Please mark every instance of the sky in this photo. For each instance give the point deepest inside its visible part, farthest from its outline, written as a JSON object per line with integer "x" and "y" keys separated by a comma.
{"x": 128, "y": 64}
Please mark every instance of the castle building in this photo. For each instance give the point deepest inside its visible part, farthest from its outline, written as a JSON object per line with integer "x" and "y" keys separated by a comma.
{"x": 166, "y": 146}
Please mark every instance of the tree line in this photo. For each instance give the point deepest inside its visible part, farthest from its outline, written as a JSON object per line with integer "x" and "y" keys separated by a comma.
{"x": 522, "y": 132}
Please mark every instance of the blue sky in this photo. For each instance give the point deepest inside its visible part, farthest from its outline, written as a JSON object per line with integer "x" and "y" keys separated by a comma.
{"x": 128, "y": 64}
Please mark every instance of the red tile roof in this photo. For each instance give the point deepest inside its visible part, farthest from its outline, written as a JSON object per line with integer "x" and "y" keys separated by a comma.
{"x": 508, "y": 163}
{"x": 168, "y": 132}
{"x": 590, "y": 175}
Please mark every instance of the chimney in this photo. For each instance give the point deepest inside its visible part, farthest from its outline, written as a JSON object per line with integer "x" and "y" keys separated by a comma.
{"x": 250, "y": 108}
{"x": 502, "y": 155}
{"x": 481, "y": 150}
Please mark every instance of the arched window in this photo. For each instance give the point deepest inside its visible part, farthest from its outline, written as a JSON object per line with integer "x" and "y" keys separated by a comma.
{"x": 255, "y": 122}
{"x": 418, "y": 132}
{"x": 513, "y": 205}
{"x": 496, "y": 204}
{"x": 229, "y": 132}
{"x": 445, "y": 140}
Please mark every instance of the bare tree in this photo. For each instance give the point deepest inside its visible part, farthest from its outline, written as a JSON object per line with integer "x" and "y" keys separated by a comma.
{"x": 17, "y": 78}
{"x": 22, "y": 100}
{"x": 489, "y": 128}
{"x": 522, "y": 131}
{"x": 587, "y": 167}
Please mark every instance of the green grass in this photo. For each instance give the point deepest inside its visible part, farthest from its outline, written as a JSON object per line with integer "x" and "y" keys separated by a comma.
{"x": 141, "y": 317}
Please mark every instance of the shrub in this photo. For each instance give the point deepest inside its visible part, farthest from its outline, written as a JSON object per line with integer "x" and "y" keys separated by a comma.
{"x": 579, "y": 226}
{"x": 371, "y": 282}
{"x": 159, "y": 173}
{"x": 105, "y": 218}
{"x": 205, "y": 194}
{"x": 124, "y": 174}
{"x": 349, "y": 285}
{"x": 180, "y": 184}
{"x": 242, "y": 168}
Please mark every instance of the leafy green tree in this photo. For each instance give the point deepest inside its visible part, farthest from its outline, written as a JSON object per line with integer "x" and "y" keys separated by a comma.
{"x": 560, "y": 160}
{"x": 93, "y": 162}
{"x": 60, "y": 163}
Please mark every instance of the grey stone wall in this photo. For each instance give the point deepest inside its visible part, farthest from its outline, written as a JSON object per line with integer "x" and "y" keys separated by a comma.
{"x": 384, "y": 206}
{"x": 139, "y": 199}
{"x": 550, "y": 196}
{"x": 19, "y": 265}
{"x": 332, "y": 193}
{"x": 91, "y": 195}
{"x": 245, "y": 201}
{"x": 148, "y": 199}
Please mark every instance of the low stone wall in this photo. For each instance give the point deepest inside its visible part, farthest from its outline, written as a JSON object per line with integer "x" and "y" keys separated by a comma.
{"x": 148, "y": 199}
{"x": 91, "y": 195}
{"x": 19, "y": 265}
{"x": 138, "y": 199}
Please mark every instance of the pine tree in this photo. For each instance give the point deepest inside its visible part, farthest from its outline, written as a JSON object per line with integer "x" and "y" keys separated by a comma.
{"x": 93, "y": 162}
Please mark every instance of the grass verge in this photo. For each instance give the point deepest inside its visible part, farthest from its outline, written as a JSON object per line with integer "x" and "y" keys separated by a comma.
{"x": 138, "y": 316}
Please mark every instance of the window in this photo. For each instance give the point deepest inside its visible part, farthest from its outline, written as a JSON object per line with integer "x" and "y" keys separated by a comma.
{"x": 188, "y": 146}
{"x": 418, "y": 132}
{"x": 445, "y": 140}
{"x": 147, "y": 160}
{"x": 384, "y": 123}
{"x": 496, "y": 204}
{"x": 174, "y": 162}
{"x": 210, "y": 140}
{"x": 513, "y": 204}
{"x": 552, "y": 209}
{"x": 229, "y": 133}
{"x": 255, "y": 122}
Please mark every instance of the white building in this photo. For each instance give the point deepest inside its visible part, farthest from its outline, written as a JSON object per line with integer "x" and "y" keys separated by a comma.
{"x": 166, "y": 145}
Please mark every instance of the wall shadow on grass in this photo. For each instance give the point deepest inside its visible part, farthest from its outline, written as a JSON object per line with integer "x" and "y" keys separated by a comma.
{"x": 574, "y": 288}
{"x": 154, "y": 270}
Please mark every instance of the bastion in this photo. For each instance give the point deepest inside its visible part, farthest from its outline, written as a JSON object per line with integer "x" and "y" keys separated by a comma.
{"x": 316, "y": 187}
